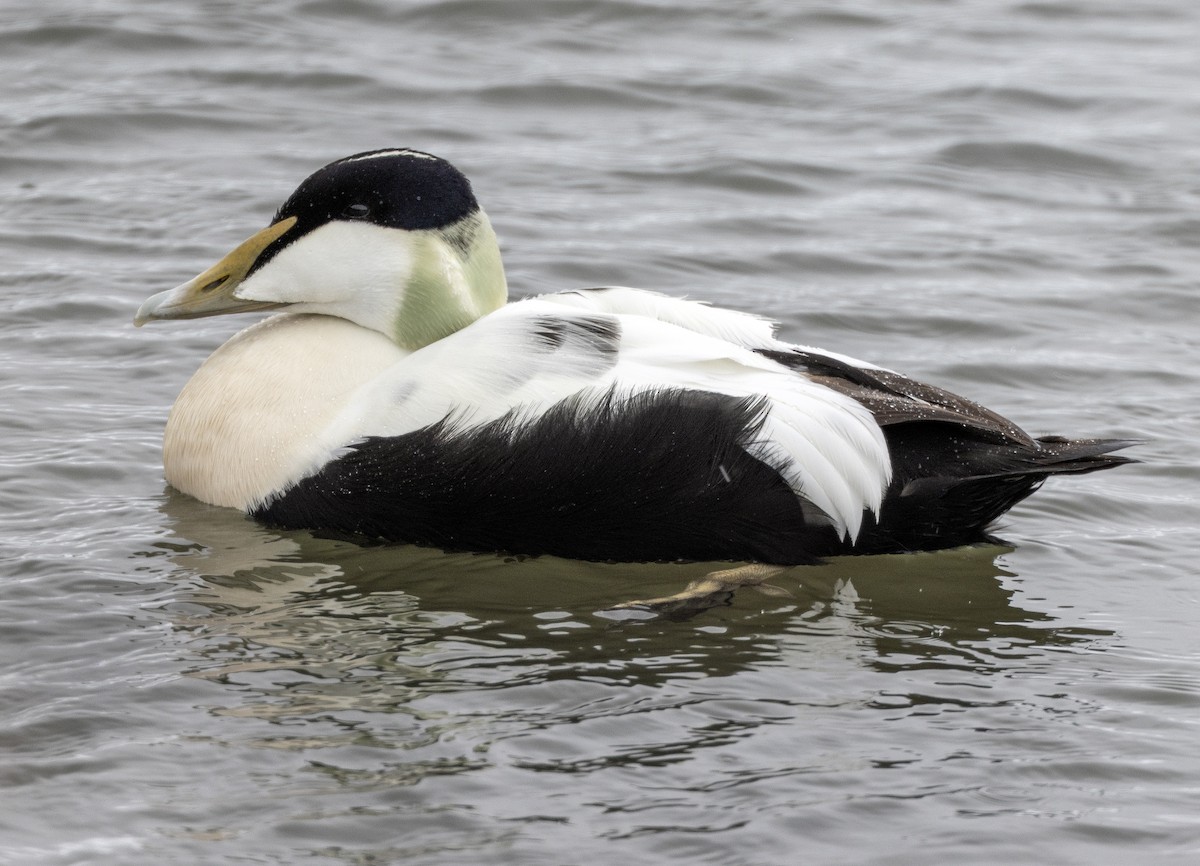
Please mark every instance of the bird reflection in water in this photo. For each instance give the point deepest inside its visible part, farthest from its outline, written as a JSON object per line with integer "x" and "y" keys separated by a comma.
{"x": 373, "y": 627}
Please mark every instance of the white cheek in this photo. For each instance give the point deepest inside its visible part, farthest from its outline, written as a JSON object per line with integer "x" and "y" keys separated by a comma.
{"x": 338, "y": 263}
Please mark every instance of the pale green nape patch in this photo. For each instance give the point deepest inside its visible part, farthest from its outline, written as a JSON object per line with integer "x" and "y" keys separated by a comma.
{"x": 457, "y": 278}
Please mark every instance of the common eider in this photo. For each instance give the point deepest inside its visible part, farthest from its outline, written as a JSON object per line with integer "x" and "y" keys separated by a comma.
{"x": 397, "y": 396}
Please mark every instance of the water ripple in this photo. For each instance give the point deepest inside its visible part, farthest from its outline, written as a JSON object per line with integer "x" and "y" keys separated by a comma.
{"x": 999, "y": 197}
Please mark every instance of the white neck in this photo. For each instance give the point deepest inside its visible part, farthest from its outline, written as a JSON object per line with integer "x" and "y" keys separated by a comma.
{"x": 415, "y": 287}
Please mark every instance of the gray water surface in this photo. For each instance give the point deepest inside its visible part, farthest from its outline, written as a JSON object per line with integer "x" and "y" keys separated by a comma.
{"x": 999, "y": 197}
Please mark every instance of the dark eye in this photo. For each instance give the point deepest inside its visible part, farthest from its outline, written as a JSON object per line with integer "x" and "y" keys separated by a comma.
{"x": 356, "y": 212}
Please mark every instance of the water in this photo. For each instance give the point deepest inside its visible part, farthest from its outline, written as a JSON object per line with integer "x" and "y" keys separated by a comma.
{"x": 997, "y": 196}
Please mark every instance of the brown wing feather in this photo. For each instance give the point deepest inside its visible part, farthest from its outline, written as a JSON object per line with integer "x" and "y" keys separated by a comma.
{"x": 896, "y": 399}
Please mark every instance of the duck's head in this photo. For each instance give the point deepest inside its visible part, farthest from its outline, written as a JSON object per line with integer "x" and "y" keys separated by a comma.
{"x": 390, "y": 239}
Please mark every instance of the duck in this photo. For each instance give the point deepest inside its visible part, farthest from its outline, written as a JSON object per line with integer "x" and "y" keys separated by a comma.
{"x": 396, "y": 395}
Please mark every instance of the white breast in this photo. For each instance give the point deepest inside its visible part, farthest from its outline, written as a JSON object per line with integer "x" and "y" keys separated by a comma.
{"x": 248, "y": 422}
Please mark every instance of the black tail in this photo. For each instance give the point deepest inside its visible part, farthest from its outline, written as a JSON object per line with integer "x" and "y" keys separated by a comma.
{"x": 947, "y": 487}
{"x": 1057, "y": 455}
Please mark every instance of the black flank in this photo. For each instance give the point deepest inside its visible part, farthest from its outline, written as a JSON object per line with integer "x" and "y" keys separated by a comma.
{"x": 655, "y": 476}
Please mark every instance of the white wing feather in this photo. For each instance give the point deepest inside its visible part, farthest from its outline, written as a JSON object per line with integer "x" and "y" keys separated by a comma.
{"x": 828, "y": 447}
{"x": 741, "y": 329}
